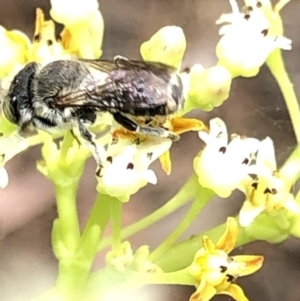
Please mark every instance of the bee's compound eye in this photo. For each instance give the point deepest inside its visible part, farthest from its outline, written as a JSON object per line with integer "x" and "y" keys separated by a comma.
{"x": 10, "y": 109}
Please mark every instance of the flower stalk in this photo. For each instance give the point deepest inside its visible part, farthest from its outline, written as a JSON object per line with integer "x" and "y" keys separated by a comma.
{"x": 203, "y": 195}
{"x": 185, "y": 194}
{"x": 276, "y": 65}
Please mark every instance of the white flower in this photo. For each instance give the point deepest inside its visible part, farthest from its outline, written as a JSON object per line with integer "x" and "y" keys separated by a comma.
{"x": 9, "y": 147}
{"x": 247, "y": 41}
{"x": 268, "y": 190}
{"x": 14, "y": 45}
{"x": 221, "y": 166}
{"x": 45, "y": 47}
{"x": 70, "y": 12}
{"x": 83, "y": 21}
{"x": 125, "y": 169}
{"x": 3, "y": 177}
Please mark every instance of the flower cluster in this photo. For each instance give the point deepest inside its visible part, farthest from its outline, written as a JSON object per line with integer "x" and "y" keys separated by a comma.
{"x": 246, "y": 164}
{"x": 248, "y": 39}
{"x": 226, "y": 163}
{"x": 215, "y": 271}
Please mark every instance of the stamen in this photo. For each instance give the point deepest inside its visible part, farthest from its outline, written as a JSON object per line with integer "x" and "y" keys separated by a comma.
{"x": 254, "y": 185}
{"x": 37, "y": 37}
{"x": 223, "y": 268}
{"x": 267, "y": 190}
{"x": 230, "y": 278}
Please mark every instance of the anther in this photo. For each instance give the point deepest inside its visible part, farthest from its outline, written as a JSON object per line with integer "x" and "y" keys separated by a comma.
{"x": 37, "y": 37}
{"x": 130, "y": 166}
{"x": 223, "y": 268}
{"x": 222, "y": 149}
{"x": 254, "y": 185}
{"x": 149, "y": 155}
{"x": 267, "y": 190}
{"x": 246, "y": 161}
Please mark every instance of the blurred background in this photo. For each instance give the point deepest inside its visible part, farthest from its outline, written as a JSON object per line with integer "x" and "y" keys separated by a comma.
{"x": 255, "y": 108}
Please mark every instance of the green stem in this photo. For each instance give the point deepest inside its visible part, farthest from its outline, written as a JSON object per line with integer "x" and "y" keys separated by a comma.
{"x": 187, "y": 192}
{"x": 67, "y": 214}
{"x": 173, "y": 258}
{"x": 100, "y": 214}
{"x": 202, "y": 197}
{"x": 277, "y": 68}
{"x": 116, "y": 224}
{"x": 65, "y": 146}
{"x": 291, "y": 168}
{"x": 181, "y": 277}
{"x": 72, "y": 278}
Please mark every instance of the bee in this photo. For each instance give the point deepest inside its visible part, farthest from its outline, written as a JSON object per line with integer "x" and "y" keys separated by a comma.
{"x": 68, "y": 94}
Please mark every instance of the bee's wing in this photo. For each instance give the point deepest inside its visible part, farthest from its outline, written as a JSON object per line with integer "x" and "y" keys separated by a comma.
{"x": 130, "y": 86}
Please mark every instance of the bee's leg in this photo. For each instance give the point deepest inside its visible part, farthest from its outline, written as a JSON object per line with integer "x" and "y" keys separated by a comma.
{"x": 86, "y": 134}
{"x": 145, "y": 130}
{"x": 119, "y": 58}
{"x": 75, "y": 137}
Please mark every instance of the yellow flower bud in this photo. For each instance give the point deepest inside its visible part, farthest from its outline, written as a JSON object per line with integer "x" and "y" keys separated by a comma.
{"x": 166, "y": 46}
{"x": 208, "y": 88}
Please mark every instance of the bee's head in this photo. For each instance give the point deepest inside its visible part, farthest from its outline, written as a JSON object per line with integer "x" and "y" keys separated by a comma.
{"x": 17, "y": 105}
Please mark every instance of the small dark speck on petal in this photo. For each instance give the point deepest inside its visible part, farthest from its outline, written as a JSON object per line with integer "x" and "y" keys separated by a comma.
{"x": 246, "y": 161}
{"x": 222, "y": 149}
{"x": 223, "y": 268}
{"x": 149, "y": 155}
{"x": 273, "y": 191}
{"x": 230, "y": 278}
{"x": 130, "y": 166}
{"x": 37, "y": 37}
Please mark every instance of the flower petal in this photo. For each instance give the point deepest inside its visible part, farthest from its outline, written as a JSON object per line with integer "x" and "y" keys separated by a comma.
{"x": 3, "y": 177}
{"x": 165, "y": 162}
{"x": 182, "y": 125}
{"x": 228, "y": 240}
{"x": 291, "y": 205}
{"x": 266, "y": 154}
{"x": 249, "y": 212}
{"x": 208, "y": 245}
{"x": 235, "y": 292}
{"x": 252, "y": 263}
{"x": 217, "y": 133}
{"x": 204, "y": 292}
